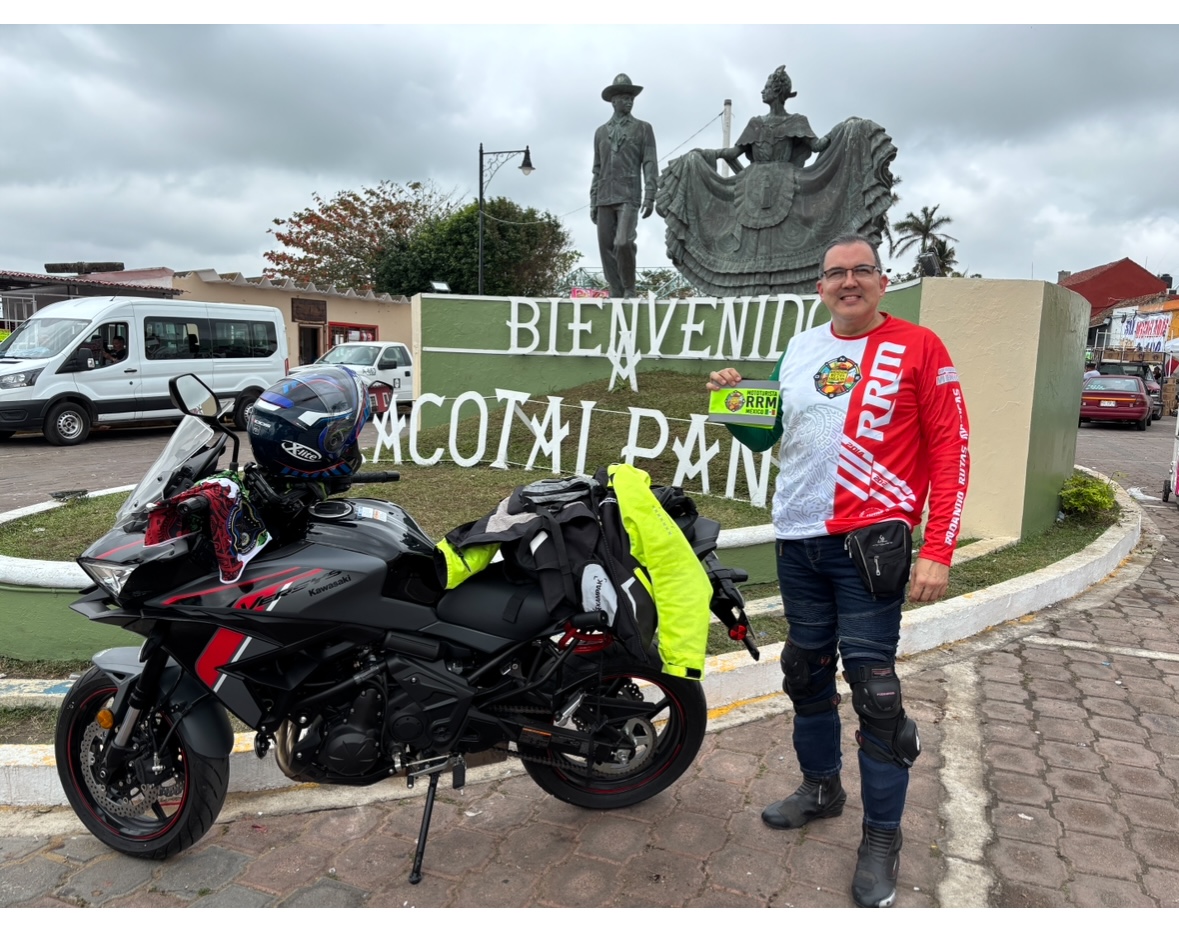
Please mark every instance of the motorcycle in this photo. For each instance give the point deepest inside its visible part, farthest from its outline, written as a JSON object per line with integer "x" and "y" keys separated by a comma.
{"x": 336, "y": 646}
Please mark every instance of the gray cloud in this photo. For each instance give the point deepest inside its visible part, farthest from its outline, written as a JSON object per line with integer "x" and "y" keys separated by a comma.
{"x": 1051, "y": 147}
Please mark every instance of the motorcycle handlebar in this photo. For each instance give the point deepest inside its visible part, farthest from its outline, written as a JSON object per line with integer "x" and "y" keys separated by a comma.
{"x": 190, "y": 506}
{"x": 363, "y": 478}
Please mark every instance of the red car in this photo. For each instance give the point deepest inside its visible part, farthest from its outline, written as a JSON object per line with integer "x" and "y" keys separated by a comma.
{"x": 1120, "y": 398}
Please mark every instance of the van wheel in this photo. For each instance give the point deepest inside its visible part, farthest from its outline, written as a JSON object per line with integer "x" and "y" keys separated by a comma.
{"x": 67, "y": 424}
{"x": 243, "y": 409}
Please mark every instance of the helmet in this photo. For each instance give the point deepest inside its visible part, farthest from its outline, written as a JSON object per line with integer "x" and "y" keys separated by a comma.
{"x": 307, "y": 425}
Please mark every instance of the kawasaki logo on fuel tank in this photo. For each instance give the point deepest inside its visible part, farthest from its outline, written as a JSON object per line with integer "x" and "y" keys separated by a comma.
{"x": 330, "y": 586}
{"x": 299, "y": 451}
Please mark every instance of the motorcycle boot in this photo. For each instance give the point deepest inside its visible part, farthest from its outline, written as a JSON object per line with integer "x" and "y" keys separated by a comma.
{"x": 814, "y": 799}
{"x": 874, "y": 885}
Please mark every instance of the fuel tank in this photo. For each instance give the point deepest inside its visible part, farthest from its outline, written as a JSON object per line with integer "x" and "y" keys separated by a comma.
{"x": 363, "y": 561}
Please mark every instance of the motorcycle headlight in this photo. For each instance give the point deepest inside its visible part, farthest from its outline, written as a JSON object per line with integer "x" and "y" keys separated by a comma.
{"x": 22, "y": 379}
{"x": 112, "y": 577}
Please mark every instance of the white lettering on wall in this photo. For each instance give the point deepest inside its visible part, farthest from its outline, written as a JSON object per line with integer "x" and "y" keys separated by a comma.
{"x": 688, "y": 467}
{"x": 422, "y": 401}
{"x": 477, "y": 399}
{"x": 516, "y": 325}
{"x": 515, "y": 400}
{"x": 693, "y": 453}
{"x": 633, "y": 451}
{"x": 549, "y": 444}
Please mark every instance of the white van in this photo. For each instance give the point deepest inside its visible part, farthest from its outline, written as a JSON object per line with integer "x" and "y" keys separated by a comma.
{"x": 390, "y": 362}
{"x": 107, "y": 360}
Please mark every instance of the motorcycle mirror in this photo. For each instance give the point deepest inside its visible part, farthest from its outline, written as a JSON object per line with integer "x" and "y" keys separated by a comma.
{"x": 192, "y": 396}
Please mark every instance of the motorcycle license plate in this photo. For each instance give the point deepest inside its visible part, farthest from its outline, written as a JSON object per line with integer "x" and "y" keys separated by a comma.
{"x": 1109, "y": 403}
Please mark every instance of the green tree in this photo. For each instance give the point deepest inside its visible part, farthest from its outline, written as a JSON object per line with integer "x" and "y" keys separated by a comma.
{"x": 946, "y": 255}
{"x": 525, "y": 253}
{"x": 340, "y": 241}
{"x": 920, "y": 230}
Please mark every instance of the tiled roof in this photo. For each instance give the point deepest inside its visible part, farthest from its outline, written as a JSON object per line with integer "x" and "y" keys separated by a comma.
{"x": 286, "y": 283}
{"x": 16, "y": 279}
{"x": 1119, "y": 283}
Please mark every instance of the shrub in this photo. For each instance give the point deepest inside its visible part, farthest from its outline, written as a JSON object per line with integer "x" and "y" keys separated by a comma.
{"x": 1084, "y": 495}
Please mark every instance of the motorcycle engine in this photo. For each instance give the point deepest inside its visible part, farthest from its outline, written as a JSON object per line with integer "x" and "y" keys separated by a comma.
{"x": 420, "y": 707}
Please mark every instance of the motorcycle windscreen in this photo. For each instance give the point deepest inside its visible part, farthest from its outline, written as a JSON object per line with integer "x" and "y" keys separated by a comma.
{"x": 188, "y": 439}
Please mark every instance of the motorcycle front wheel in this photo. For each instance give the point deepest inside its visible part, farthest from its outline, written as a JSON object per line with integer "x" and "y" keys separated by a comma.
{"x": 647, "y": 728}
{"x": 150, "y": 819}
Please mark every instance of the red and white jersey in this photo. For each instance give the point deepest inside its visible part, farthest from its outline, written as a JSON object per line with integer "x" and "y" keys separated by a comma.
{"x": 871, "y": 426}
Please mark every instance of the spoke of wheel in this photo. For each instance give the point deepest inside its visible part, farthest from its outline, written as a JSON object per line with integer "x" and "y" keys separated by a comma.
{"x": 159, "y": 812}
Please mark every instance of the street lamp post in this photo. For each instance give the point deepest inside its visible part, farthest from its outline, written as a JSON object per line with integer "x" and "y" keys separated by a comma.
{"x": 485, "y": 174}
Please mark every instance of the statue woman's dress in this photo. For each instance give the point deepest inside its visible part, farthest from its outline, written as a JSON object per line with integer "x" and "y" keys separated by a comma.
{"x": 764, "y": 229}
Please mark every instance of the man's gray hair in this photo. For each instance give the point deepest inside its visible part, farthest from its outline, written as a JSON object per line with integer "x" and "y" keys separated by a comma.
{"x": 854, "y": 239}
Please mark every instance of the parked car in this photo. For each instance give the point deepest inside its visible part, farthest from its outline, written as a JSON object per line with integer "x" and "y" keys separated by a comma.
{"x": 1116, "y": 398}
{"x": 1143, "y": 370}
{"x": 389, "y": 362}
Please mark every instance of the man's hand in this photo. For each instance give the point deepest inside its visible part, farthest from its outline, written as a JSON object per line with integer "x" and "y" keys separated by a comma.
{"x": 725, "y": 378}
{"x": 648, "y": 208}
{"x": 929, "y": 580}
{"x": 594, "y": 215}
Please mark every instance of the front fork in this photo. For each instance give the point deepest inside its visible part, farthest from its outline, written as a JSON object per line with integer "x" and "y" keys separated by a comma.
{"x": 143, "y": 695}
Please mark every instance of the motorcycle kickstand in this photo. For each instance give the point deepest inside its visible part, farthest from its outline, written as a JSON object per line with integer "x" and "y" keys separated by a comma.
{"x": 415, "y": 875}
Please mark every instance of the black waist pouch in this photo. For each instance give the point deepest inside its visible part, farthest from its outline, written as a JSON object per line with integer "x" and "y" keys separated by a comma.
{"x": 882, "y": 554}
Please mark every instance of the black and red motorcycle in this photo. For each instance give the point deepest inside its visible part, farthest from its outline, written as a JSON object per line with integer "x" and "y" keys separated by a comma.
{"x": 335, "y": 645}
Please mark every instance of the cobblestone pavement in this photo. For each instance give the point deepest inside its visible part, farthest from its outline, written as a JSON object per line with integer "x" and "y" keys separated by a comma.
{"x": 1048, "y": 779}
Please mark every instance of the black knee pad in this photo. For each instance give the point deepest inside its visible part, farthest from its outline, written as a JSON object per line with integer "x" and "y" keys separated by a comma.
{"x": 807, "y": 673}
{"x": 876, "y": 698}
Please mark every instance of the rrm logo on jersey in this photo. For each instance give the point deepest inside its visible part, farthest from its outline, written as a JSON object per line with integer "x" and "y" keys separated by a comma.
{"x": 837, "y": 377}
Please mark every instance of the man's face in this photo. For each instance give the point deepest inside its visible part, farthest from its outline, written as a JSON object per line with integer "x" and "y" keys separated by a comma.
{"x": 853, "y": 302}
{"x": 623, "y": 103}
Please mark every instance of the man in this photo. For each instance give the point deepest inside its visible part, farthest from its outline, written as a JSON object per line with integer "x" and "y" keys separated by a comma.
{"x": 1091, "y": 371}
{"x": 118, "y": 351}
{"x": 625, "y": 177}
{"x": 872, "y": 421}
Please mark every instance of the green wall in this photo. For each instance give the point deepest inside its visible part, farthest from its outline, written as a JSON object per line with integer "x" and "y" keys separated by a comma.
{"x": 482, "y": 324}
{"x": 39, "y": 625}
{"x": 1052, "y": 445}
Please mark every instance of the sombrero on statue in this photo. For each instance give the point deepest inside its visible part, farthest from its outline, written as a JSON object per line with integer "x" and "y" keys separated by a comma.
{"x": 620, "y": 85}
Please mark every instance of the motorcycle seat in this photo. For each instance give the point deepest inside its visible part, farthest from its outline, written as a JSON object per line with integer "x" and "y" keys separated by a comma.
{"x": 490, "y": 603}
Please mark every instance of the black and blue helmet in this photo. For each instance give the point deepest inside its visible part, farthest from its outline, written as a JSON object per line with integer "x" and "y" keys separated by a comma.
{"x": 307, "y": 426}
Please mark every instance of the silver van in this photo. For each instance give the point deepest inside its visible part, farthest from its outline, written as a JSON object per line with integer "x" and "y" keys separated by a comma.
{"x": 107, "y": 360}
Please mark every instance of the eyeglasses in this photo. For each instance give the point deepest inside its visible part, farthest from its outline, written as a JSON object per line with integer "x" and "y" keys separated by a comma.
{"x": 837, "y": 274}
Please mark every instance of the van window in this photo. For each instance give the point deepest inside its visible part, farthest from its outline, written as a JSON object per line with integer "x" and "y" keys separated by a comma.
{"x": 107, "y": 344}
{"x": 239, "y": 338}
{"x": 168, "y": 339}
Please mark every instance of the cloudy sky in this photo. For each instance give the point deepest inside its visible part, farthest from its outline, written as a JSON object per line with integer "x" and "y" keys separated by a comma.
{"x": 1051, "y": 147}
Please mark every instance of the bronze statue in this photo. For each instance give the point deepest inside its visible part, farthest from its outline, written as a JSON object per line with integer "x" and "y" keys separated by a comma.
{"x": 764, "y": 229}
{"x": 625, "y": 177}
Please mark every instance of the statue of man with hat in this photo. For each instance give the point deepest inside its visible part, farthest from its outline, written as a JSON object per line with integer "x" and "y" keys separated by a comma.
{"x": 625, "y": 179}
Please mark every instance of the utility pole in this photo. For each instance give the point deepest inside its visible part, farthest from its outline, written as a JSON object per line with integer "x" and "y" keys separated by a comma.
{"x": 726, "y": 132}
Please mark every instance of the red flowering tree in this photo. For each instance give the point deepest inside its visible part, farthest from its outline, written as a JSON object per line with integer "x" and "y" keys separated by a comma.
{"x": 339, "y": 241}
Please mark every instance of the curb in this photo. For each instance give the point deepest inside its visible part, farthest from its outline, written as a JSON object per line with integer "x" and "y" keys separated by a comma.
{"x": 738, "y": 689}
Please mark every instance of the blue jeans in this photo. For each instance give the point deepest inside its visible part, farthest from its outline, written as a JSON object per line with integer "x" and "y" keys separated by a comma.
{"x": 828, "y": 609}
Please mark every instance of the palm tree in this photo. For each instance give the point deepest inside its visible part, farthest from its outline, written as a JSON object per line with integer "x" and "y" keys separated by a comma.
{"x": 921, "y": 229}
{"x": 945, "y": 254}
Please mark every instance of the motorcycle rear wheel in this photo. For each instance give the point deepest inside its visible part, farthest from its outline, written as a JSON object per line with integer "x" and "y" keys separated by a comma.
{"x": 151, "y": 821}
{"x": 665, "y": 729}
